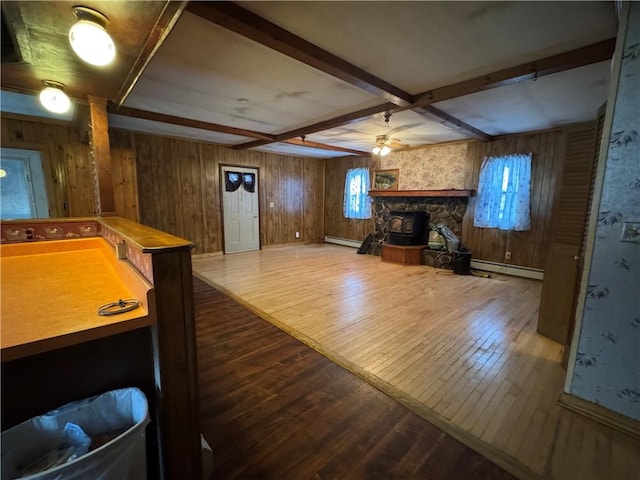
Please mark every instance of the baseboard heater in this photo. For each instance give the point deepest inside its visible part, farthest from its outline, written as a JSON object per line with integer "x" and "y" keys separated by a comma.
{"x": 483, "y": 265}
{"x": 343, "y": 241}
{"x": 514, "y": 270}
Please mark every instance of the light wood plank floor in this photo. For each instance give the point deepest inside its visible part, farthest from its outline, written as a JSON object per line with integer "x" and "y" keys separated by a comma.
{"x": 274, "y": 409}
{"x": 461, "y": 351}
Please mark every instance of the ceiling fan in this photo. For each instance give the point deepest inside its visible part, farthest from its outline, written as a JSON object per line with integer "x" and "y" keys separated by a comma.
{"x": 384, "y": 143}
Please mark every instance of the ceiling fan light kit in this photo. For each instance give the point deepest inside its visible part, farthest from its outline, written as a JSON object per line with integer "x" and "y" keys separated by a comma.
{"x": 382, "y": 147}
{"x": 53, "y": 97}
{"x": 382, "y": 151}
{"x": 89, "y": 38}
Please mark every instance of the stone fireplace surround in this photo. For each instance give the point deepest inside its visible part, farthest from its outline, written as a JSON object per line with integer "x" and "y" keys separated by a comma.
{"x": 442, "y": 210}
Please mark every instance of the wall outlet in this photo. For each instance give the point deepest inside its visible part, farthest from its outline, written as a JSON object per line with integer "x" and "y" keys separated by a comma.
{"x": 297, "y": 234}
{"x": 507, "y": 256}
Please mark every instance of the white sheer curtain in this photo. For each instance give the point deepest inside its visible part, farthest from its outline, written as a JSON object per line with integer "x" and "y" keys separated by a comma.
{"x": 504, "y": 193}
{"x": 357, "y": 203}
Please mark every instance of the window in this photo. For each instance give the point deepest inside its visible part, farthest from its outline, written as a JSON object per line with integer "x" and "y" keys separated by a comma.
{"x": 357, "y": 203}
{"x": 504, "y": 193}
{"x": 22, "y": 189}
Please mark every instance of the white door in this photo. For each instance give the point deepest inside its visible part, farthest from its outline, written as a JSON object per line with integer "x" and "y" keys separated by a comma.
{"x": 240, "y": 209}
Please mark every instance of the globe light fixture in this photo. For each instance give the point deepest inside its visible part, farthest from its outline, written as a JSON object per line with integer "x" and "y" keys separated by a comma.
{"x": 53, "y": 97}
{"x": 89, "y": 38}
{"x": 382, "y": 151}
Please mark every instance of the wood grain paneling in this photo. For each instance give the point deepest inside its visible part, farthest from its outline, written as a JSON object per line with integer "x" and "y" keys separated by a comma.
{"x": 125, "y": 185}
{"x": 527, "y": 248}
{"x": 179, "y": 190}
{"x": 80, "y": 180}
{"x": 212, "y": 232}
{"x": 313, "y": 224}
{"x": 48, "y": 139}
{"x": 335, "y": 225}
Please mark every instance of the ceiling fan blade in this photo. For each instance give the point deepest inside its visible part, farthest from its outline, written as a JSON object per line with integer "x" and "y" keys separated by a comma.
{"x": 396, "y": 143}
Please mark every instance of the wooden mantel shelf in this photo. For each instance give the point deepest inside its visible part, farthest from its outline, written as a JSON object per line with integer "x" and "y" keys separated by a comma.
{"x": 422, "y": 193}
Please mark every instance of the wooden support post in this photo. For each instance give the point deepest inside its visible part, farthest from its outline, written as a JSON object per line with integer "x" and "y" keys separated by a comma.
{"x": 101, "y": 153}
{"x": 175, "y": 344}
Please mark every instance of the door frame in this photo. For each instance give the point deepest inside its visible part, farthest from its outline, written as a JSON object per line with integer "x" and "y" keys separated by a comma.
{"x": 221, "y": 168}
{"x": 34, "y": 168}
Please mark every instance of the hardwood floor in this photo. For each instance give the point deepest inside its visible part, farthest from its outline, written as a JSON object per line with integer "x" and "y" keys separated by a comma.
{"x": 273, "y": 408}
{"x": 460, "y": 351}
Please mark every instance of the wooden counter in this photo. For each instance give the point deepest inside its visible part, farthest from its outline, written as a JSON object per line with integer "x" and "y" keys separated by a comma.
{"x": 51, "y": 292}
{"x": 56, "y": 273}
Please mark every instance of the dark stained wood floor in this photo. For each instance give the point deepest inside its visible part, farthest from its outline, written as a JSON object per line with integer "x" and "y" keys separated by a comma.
{"x": 273, "y": 408}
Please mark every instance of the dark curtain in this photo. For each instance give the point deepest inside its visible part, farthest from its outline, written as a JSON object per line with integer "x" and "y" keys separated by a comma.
{"x": 233, "y": 180}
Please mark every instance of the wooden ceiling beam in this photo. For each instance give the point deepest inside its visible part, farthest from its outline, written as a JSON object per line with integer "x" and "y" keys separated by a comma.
{"x": 246, "y": 23}
{"x": 187, "y": 122}
{"x": 325, "y": 124}
{"x": 452, "y": 122}
{"x": 557, "y": 63}
{"x": 579, "y": 57}
{"x": 167, "y": 19}
{"x": 323, "y": 146}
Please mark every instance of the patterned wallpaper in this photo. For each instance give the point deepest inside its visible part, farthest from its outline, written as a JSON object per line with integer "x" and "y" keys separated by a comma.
{"x": 607, "y": 366}
{"x": 434, "y": 168}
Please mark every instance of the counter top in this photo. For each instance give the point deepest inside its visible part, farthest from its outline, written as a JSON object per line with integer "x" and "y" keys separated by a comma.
{"x": 51, "y": 292}
{"x": 147, "y": 239}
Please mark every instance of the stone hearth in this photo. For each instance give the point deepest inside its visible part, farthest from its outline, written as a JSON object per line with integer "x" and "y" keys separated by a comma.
{"x": 442, "y": 210}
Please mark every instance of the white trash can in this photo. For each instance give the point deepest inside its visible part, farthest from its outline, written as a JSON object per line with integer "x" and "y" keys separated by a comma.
{"x": 114, "y": 421}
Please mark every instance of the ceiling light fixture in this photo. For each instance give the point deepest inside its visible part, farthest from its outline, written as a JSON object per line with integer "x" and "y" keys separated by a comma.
{"x": 89, "y": 39}
{"x": 382, "y": 151}
{"x": 53, "y": 97}
{"x": 381, "y": 148}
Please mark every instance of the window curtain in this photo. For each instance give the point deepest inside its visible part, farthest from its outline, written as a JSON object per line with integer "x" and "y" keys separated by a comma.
{"x": 357, "y": 203}
{"x": 233, "y": 180}
{"x": 504, "y": 192}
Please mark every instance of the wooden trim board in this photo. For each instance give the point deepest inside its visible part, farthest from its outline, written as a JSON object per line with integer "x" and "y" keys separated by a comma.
{"x": 607, "y": 417}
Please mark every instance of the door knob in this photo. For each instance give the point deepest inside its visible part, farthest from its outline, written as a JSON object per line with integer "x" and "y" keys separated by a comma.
{"x": 576, "y": 257}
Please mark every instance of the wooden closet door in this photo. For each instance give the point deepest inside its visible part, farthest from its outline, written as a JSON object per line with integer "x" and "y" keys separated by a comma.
{"x": 563, "y": 266}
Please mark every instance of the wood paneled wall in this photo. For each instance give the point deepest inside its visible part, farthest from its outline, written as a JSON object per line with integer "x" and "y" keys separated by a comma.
{"x": 528, "y": 248}
{"x": 178, "y": 187}
{"x": 125, "y": 183}
{"x": 179, "y": 190}
{"x": 81, "y": 193}
{"x": 335, "y": 225}
{"x": 61, "y": 151}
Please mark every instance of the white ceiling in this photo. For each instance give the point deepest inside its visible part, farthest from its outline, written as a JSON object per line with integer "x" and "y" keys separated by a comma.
{"x": 205, "y": 72}
{"x": 420, "y": 45}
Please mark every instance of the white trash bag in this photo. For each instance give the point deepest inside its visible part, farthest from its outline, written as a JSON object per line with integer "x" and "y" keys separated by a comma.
{"x": 100, "y": 438}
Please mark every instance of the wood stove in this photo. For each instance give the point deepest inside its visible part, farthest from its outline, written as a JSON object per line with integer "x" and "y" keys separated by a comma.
{"x": 408, "y": 227}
